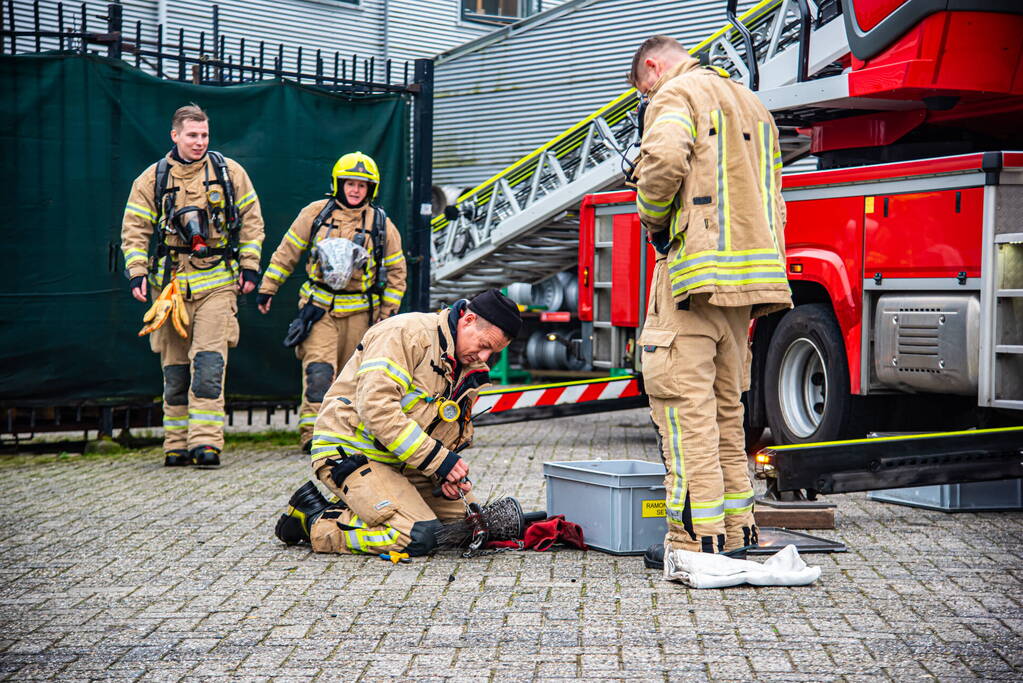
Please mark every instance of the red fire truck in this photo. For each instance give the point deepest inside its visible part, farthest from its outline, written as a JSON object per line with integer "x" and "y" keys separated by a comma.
{"x": 904, "y": 250}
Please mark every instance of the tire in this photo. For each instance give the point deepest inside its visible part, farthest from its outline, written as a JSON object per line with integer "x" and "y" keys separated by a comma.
{"x": 806, "y": 380}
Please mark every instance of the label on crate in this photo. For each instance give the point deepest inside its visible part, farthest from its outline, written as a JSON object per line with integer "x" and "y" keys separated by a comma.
{"x": 653, "y": 508}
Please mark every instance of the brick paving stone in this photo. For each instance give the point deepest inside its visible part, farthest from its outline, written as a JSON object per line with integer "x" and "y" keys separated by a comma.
{"x": 153, "y": 574}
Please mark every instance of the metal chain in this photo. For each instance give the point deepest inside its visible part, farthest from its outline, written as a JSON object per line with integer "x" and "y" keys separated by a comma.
{"x": 478, "y": 552}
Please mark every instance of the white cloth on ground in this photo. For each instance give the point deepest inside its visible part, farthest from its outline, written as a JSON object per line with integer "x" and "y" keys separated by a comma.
{"x": 709, "y": 570}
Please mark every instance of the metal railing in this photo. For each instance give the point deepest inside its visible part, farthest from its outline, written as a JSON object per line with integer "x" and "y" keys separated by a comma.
{"x": 200, "y": 57}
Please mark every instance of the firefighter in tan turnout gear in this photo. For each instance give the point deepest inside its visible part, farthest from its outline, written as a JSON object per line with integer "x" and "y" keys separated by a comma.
{"x": 708, "y": 183}
{"x": 202, "y": 212}
{"x": 356, "y": 271}
{"x": 391, "y": 429}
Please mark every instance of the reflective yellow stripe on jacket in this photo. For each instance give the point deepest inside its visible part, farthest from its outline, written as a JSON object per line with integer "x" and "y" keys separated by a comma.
{"x": 342, "y": 303}
{"x": 197, "y": 281}
{"x": 724, "y": 269}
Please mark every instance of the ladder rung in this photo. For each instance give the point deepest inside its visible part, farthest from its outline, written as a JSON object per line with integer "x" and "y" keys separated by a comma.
{"x": 1009, "y": 348}
{"x": 1009, "y": 237}
{"x": 1001, "y": 403}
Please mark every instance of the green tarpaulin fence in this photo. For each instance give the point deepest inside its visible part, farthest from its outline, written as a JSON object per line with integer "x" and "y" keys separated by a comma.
{"x": 76, "y": 132}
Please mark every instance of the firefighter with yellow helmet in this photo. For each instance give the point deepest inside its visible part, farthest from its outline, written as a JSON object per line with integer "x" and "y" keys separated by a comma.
{"x": 356, "y": 277}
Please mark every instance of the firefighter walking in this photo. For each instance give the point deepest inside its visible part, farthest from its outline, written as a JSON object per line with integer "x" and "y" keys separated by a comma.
{"x": 356, "y": 277}
{"x": 203, "y": 211}
{"x": 708, "y": 183}
{"x": 392, "y": 427}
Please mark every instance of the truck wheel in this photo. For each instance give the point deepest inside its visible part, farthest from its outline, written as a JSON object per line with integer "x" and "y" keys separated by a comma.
{"x": 807, "y": 379}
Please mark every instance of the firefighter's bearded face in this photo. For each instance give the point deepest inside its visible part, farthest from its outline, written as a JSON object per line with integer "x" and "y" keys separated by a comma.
{"x": 477, "y": 339}
{"x": 191, "y": 139}
{"x": 355, "y": 191}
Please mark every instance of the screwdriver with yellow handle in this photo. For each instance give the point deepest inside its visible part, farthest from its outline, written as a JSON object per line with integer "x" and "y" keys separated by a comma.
{"x": 396, "y": 557}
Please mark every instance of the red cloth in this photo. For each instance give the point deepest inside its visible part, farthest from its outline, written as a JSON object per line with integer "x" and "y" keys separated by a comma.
{"x": 540, "y": 536}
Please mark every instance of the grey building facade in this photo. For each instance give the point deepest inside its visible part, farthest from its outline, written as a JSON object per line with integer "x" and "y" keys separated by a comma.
{"x": 500, "y": 96}
{"x": 381, "y": 29}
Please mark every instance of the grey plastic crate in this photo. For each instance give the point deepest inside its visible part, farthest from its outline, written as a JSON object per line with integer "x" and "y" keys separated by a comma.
{"x": 1006, "y": 494}
{"x": 618, "y": 503}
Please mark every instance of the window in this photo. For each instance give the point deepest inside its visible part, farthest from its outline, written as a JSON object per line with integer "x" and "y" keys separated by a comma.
{"x": 499, "y": 11}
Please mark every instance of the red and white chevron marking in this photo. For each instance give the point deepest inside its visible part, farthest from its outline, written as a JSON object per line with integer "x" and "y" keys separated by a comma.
{"x": 500, "y": 400}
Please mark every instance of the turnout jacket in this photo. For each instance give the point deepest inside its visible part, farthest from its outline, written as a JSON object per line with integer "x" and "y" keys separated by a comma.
{"x": 342, "y": 222}
{"x": 384, "y": 404}
{"x": 709, "y": 186}
{"x": 196, "y": 277}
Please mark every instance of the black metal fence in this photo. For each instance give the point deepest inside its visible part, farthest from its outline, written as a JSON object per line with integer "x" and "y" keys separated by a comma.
{"x": 200, "y": 57}
{"x": 214, "y": 58}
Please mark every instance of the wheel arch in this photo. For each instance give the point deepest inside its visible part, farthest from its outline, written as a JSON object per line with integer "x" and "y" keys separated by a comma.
{"x": 812, "y": 289}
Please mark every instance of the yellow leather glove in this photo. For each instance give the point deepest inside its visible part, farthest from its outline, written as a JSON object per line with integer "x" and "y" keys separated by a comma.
{"x": 179, "y": 315}
{"x": 160, "y": 311}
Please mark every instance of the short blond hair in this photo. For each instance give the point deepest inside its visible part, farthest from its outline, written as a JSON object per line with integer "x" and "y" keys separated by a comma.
{"x": 190, "y": 112}
{"x": 658, "y": 43}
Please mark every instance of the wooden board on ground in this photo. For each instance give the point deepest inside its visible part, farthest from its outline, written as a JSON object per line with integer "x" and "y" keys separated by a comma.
{"x": 795, "y": 518}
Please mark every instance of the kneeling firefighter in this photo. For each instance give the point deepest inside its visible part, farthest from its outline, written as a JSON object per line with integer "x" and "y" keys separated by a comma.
{"x": 203, "y": 212}
{"x": 356, "y": 271}
{"x": 391, "y": 429}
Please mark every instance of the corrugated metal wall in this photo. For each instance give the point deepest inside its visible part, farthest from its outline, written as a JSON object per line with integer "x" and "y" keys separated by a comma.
{"x": 507, "y": 94}
{"x": 423, "y": 29}
{"x": 412, "y": 29}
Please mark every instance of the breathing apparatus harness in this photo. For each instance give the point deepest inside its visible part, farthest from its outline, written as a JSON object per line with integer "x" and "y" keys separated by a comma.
{"x": 378, "y": 235}
{"x": 190, "y": 223}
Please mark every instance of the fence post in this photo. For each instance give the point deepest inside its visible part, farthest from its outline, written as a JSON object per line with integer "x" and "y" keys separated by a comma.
{"x": 115, "y": 14}
{"x": 422, "y": 181}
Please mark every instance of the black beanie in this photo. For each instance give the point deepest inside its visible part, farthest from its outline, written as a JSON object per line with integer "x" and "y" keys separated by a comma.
{"x": 499, "y": 310}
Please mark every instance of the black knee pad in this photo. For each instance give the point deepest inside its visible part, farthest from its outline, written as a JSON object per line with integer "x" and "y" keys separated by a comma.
{"x": 175, "y": 385}
{"x": 424, "y": 537}
{"x": 208, "y": 373}
{"x": 318, "y": 378}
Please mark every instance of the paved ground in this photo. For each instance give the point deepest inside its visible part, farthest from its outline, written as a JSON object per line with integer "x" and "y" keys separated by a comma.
{"x": 114, "y": 567}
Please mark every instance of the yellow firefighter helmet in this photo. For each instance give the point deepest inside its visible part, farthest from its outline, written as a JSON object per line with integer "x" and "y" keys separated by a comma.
{"x": 356, "y": 166}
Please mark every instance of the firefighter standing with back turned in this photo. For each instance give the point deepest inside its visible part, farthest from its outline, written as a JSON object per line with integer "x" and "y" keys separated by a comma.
{"x": 356, "y": 271}
{"x": 708, "y": 183}
{"x": 209, "y": 233}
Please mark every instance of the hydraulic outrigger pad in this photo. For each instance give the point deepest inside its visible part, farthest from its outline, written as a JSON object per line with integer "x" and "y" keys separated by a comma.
{"x": 893, "y": 461}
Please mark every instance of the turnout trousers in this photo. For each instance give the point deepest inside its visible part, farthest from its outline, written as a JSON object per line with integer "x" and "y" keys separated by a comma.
{"x": 695, "y": 368}
{"x": 194, "y": 370}
{"x": 331, "y": 342}
{"x": 387, "y": 510}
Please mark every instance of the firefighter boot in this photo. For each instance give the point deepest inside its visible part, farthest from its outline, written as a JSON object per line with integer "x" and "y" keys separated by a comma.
{"x": 653, "y": 558}
{"x": 206, "y": 457}
{"x": 177, "y": 457}
{"x": 304, "y": 507}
